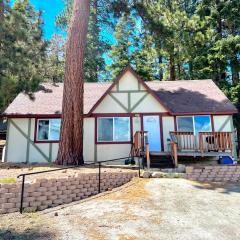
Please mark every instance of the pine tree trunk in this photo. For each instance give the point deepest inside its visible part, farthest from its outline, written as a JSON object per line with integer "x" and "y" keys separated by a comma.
{"x": 160, "y": 68}
{"x": 71, "y": 138}
{"x": 172, "y": 68}
{"x": 235, "y": 70}
{"x": 97, "y": 32}
{"x": 1, "y": 9}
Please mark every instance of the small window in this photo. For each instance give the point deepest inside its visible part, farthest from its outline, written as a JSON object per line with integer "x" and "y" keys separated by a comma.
{"x": 114, "y": 129}
{"x": 48, "y": 129}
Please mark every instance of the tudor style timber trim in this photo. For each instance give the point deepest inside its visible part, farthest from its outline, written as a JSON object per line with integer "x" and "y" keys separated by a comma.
{"x": 118, "y": 102}
{"x": 116, "y": 83}
{"x": 28, "y": 140}
{"x": 7, "y": 140}
{"x": 27, "y": 137}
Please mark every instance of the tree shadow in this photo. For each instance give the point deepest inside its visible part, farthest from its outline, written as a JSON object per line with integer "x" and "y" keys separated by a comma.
{"x": 225, "y": 188}
{"x": 199, "y": 99}
{"x": 28, "y": 234}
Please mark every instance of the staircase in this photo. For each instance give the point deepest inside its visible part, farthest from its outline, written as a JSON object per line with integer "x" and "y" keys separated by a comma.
{"x": 160, "y": 161}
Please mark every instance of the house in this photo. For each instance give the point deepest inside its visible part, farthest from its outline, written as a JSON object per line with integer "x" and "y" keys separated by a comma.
{"x": 195, "y": 112}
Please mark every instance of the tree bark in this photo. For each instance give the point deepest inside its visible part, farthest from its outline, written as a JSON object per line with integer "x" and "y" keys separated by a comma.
{"x": 1, "y": 10}
{"x": 235, "y": 70}
{"x": 172, "y": 68}
{"x": 160, "y": 68}
{"x": 71, "y": 138}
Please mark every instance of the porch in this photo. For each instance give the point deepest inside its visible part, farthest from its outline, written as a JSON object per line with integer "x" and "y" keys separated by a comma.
{"x": 204, "y": 144}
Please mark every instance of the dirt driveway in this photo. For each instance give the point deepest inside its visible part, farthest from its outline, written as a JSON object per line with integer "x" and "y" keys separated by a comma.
{"x": 143, "y": 209}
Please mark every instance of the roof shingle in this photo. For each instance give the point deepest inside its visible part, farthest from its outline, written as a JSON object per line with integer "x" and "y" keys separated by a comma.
{"x": 183, "y": 96}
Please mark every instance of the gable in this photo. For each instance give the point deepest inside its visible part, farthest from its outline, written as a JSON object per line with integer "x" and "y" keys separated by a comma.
{"x": 128, "y": 94}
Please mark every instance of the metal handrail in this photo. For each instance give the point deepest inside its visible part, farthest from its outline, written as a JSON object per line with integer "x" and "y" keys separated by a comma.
{"x": 23, "y": 175}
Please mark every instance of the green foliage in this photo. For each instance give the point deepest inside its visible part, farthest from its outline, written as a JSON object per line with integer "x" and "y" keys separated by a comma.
{"x": 97, "y": 45}
{"x": 22, "y": 50}
{"x": 53, "y": 66}
{"x": 122, "y": 52}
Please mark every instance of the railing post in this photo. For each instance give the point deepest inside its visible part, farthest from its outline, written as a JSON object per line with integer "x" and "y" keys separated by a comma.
{"x": 22, "y": 194}
{"x": 99, "y": 177}
{"x": 139, "y": 167}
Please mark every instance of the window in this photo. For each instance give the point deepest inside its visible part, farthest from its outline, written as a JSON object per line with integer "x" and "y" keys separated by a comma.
{"x": 185, "y": 124}
{"x": 194, "y": 124}
{"x": 48, "y": 129}
{"x": 113, "y": 129}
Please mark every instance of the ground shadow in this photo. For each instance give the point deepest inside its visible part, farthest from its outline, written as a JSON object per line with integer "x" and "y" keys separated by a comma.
{"x": 225, "y": 188}
{"x": 29, "y": 234}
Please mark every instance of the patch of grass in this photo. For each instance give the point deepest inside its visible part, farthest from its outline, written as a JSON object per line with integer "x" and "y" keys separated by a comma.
{"x": 8, "y": 180}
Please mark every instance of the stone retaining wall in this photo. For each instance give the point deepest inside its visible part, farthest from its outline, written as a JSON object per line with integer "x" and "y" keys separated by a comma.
{"x": 230, "y": 173}
{"x": 45, "y": 193}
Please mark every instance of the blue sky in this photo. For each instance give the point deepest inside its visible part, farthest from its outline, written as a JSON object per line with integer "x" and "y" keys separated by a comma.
{"x": 50, "y": 8}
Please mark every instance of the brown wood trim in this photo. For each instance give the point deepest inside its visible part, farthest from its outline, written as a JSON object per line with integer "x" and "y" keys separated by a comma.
{"x": 161, "y": 132}
{"x": 175, "y": 123}
{"x": 212, "y": 123}
{"x": 203, "y": 113}
{"x": 127, "y": 114}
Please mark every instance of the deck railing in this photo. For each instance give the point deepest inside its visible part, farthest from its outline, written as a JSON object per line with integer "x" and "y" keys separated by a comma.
{"x": 184, "y": 140}
{"x": 215, "y": 141}
{"x": 205, "y": 142}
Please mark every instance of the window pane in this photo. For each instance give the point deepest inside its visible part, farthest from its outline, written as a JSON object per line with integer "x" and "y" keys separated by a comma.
{"x": 122, "y": 129}
{"x": 185, "y": 124}
{"x": 55, "y": 129}
{"x": 105, "y": 129}
{"x": 43, "y": 129}
{"x": 202, "y": 124}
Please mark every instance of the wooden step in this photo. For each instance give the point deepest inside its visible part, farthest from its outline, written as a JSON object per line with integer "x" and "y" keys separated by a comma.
{"x": 160, "y": 162}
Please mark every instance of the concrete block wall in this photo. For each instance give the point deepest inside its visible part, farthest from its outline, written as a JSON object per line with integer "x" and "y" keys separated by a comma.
{"x": 45, "y": 193}
{"x": 223, "y": 173}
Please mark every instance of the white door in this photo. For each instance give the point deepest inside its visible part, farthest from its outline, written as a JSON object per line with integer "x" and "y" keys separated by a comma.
{"x": 152, "y": 125}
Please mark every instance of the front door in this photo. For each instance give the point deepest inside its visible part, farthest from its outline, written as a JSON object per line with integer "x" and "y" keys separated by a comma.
{"x": 151, "y": 124}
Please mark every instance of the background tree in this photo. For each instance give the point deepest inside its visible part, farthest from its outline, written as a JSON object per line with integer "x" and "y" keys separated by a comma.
{"x": 122, "y": 51}
{"x": 71, "y": 137}
{"x": 22, "y": 50}
{"x": 97, "y": 40}
{"x": 55, "y": 60}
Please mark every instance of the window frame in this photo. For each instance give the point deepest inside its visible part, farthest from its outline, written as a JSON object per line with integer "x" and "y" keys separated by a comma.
{"x": 113, "y": 142}
{"x": 193, "y": 120}
{"x": 36, "y": 140}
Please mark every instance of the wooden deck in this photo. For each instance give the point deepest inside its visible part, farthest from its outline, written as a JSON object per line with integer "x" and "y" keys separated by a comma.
{"x": 193, "y": 154}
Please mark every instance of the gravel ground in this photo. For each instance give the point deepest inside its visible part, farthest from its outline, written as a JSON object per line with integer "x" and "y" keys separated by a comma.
{"x": 142, "y": 209}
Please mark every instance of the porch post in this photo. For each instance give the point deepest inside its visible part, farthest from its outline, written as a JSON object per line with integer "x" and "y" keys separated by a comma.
{"x": 233, "y": 139}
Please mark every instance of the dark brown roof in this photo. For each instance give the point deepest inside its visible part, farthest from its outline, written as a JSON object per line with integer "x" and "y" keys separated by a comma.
{"x": 189, "y": 96}
{"x": 183, "y": 96}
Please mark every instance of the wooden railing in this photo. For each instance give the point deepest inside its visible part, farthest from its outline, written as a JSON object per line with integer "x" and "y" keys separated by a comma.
{"x": 215, "y": 141}
{"x": 140, "y": 146}
{"x": 184, "y": 140}
{"x": 173, "y": 151}
{"x": 206, "y": 141}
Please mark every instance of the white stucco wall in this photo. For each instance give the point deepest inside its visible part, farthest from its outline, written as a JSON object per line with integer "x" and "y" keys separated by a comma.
{"x": 112, "y": 151}
{"x": 89, "y": 139}
{"x": 16, "y": 143}
{"x": 222, "y": 123}
{"x": 168, "y": 125}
